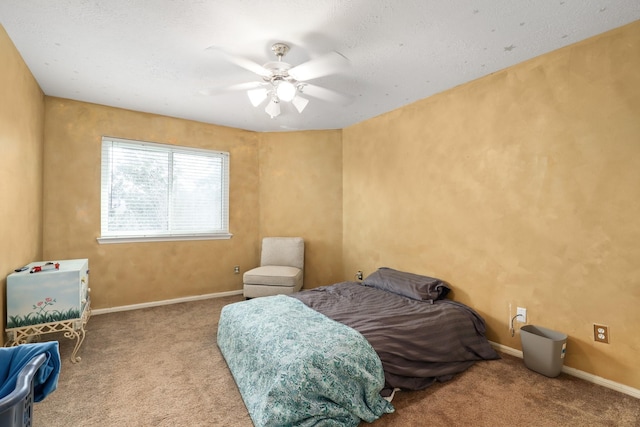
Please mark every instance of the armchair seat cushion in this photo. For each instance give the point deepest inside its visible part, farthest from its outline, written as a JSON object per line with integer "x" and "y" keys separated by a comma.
{"x": 276, "y": 275}
{"x": 281, "y": 268}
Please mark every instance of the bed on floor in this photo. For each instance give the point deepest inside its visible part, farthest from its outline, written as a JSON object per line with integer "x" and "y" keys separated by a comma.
{"x": 326, "y": 356}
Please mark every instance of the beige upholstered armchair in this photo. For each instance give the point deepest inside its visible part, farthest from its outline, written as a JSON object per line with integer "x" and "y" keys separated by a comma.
{"x": 281, "y": 268}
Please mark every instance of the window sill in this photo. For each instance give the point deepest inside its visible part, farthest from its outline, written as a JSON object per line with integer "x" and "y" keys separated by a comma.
{"x": 173, "y": 238}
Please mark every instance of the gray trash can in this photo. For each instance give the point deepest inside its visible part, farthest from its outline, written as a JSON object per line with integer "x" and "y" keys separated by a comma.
{"x": 543, "y": 349}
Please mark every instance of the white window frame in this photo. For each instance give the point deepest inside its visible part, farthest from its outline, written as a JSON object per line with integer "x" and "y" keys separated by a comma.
{"x": 108, "y": 236}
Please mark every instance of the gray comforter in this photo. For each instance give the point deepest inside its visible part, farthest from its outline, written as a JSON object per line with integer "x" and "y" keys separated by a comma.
{"x": 419, "y": 342}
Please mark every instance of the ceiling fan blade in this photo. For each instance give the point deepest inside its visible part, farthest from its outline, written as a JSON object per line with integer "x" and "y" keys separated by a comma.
{"x": 325, "y": 94}
{"x": 330, "y": 63}
{"x": 237, "y": 87}
{"x": 245, "y": 63}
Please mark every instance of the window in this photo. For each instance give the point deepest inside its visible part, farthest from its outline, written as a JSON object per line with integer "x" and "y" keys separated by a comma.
{"x": 162, "y": 192}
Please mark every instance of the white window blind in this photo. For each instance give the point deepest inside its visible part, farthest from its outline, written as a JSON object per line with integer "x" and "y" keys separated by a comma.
{"x": 163, "y": 192}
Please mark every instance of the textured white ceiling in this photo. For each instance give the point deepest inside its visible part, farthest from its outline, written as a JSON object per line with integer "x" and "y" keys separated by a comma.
{"x": 152, "y": 56}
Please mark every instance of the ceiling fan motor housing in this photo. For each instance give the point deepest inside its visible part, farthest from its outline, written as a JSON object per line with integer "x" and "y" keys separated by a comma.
{"x": 280, "y": 49}
{"x": 284, "y": 87}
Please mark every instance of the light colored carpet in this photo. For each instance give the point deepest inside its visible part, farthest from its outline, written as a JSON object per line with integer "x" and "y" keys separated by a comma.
{"x": 161, "y": 367}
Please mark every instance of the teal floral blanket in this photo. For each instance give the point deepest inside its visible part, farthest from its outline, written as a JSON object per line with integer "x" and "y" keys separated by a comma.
{"x": 296, "y": 367}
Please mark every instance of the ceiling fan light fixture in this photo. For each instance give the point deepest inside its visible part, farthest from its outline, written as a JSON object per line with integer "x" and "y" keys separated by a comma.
{"x": 282, "y": 82}
{"x": 300, "y": 103}
{"x": 257, "y": 96}
{"x": 286, "y": 91}
{"x": 273, "y": 107}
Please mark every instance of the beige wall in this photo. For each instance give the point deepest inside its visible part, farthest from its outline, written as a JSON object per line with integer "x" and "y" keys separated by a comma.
{"x": 280, "y": 184}
{"x": 301, "y": 195}
{"x": 520, "y": 189}
{"x": 21, "y": 140}
{"x": 131, "y": 273}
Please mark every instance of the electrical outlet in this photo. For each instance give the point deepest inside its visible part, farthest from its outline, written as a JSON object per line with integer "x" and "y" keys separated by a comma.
{"x": 601, "y": 333}
{"x": 522, "y": 315}
{"x": 236, "y": 269}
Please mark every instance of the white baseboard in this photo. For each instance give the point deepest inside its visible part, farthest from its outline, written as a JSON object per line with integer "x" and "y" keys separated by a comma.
{"x": 634, "y": 392}
{"x": 164, "y": 302}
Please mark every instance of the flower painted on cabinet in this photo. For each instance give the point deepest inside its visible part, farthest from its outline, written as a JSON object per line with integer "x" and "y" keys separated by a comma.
{"x": 41, "y": 306}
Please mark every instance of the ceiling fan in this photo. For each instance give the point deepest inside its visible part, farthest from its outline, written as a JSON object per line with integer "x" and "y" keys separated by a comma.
{"x": 282, "y": 82}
